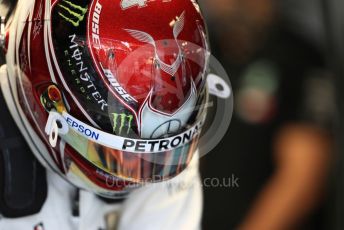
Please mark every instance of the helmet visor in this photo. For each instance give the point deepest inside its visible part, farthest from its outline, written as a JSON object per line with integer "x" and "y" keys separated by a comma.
{"x": 136, "y": 160}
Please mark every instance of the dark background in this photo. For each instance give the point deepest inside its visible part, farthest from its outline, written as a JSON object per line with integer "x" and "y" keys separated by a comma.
{"x": 319, "y": 24}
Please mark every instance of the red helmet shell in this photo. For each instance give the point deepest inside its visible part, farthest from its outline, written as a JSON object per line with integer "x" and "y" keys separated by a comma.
{"x": 126, "y": 67}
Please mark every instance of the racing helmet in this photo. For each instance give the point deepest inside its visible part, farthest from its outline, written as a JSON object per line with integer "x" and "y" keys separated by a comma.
{"x": 108, "y": 94}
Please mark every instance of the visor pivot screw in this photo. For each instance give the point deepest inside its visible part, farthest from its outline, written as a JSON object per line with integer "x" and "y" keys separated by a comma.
{"x": 54, "y": 94}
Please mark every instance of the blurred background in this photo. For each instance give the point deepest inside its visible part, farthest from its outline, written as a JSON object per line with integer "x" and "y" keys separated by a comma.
{"x": 280, "y": 165}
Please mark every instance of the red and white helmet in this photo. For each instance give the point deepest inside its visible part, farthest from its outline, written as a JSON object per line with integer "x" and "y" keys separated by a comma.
{"x": 109, "y": 94}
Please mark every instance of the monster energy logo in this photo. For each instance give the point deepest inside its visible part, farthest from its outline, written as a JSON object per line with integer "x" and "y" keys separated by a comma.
{"x": 75, "y": 12}
{"x": 120, "y": 120}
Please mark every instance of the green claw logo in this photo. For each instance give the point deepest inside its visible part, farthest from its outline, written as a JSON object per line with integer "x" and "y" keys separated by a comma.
{"x": 124, "y": 120}
{"x": 76, "y": 12}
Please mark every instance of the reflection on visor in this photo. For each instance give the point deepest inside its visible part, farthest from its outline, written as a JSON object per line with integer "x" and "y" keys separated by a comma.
{"x": 130, "y": 159}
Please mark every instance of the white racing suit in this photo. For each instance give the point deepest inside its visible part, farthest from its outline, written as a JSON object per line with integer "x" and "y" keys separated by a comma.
{"x": 174, "y": 204}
